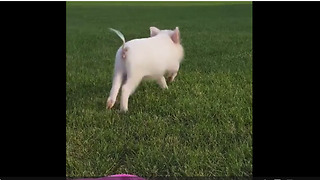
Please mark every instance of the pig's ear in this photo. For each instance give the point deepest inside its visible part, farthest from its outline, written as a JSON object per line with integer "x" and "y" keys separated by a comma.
{"x": 176, "y": 36}
{"x": 154, "y": 31}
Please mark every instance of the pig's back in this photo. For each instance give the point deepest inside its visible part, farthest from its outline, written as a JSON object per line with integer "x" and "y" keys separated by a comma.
{"x": 151, "y": 55}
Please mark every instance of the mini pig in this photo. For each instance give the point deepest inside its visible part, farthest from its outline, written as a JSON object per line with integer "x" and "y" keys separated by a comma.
{"x": 145, "y": 58}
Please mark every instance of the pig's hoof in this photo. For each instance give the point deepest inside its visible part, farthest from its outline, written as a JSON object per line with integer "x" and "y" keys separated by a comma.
{"x": 170, "y": 79}
{"x": 110, "y": 103}
{"x": 123, "y": 110}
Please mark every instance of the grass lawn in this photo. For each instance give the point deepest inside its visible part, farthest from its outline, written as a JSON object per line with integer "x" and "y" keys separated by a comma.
{"x": 200, "y": 126}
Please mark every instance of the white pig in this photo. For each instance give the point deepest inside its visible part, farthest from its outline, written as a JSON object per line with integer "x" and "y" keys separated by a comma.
{"x": 145, "y": 58}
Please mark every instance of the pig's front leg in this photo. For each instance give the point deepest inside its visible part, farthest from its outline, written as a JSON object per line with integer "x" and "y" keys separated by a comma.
{"x": 162, "y": 82}
{"x": 173, "y": 73}
{"x": 172, "y": 76}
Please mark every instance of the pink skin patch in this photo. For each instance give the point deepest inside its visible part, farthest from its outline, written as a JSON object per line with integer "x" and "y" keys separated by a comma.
{"x": 124, "y": 55}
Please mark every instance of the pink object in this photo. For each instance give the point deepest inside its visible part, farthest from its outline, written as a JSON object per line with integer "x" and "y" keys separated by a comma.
{"x": 123, "y": 175}
{"x": 115, "y": 177}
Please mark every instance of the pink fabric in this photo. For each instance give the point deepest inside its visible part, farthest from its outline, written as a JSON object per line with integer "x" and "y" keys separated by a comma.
{"x": 123, "y": 175}
{"x": 115, "y": 177}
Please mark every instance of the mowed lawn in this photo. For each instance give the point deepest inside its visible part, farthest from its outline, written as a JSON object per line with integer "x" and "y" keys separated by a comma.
{"x": 200, "y": 126}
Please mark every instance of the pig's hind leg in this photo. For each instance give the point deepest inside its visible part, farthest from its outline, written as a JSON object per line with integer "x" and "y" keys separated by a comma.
{"x": 118, "y": 78}
{"x": 128, "y": 88}
{"x": 116, "y": 84}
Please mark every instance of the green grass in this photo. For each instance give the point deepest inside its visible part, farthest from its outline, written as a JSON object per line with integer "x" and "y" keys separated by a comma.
{"x": 200, "y": 126}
